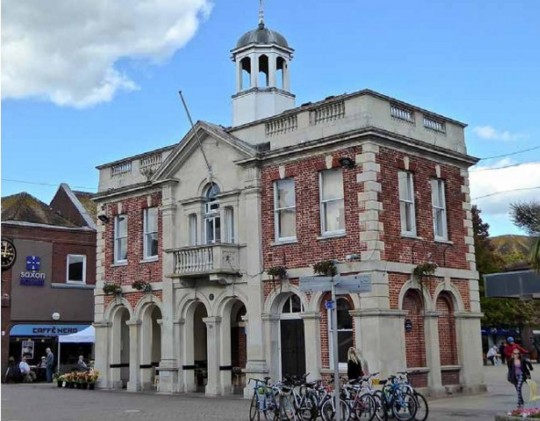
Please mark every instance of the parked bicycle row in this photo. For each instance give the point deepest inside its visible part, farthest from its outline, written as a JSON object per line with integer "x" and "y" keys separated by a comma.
{"x": 294, "y": 398}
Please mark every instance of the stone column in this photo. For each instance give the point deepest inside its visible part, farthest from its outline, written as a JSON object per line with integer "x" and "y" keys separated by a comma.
{"x": 377, "y": 332}
{"x": 312, "y": 339}
{"x": 213, "y": 346}
{"x": 271, "y": 339}
{"x": 145, "y": 353}
{"x": 179, "y": 354}
{"x": 225, "y": 368}
{"x": 168, "y": 366}
{"x": 272, "y": 70}
{"x": 433, "y": 355}
{"x": 254, "y": 70}
{"x": 469, "y": 346}
{"x": 101, "y": 352}
{"x": 134, "y": 383}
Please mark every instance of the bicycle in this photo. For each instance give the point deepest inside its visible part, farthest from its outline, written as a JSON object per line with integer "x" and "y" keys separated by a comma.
{"x": 264, "y": 401}
{"x": 422, "y": 408}
{"x": 398, "y": 399}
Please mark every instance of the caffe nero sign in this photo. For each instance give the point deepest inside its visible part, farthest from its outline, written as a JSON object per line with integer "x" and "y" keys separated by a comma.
{"x": 32, "y": 276}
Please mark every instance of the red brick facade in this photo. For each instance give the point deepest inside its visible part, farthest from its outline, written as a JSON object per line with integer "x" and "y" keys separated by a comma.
{"x": 136, "y": 268}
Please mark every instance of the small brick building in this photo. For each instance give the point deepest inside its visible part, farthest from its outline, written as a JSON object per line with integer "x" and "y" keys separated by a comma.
{"x": 48, "y": 290}
{"x": 189, "y": 232}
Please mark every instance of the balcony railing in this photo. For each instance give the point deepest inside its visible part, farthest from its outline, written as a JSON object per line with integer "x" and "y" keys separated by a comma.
{"x": 206, "y": 260}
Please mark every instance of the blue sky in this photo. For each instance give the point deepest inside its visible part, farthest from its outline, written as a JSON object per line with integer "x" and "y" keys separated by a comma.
{"x": 89, "y": 84}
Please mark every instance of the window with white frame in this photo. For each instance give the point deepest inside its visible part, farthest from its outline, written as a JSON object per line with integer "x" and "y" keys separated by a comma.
{"x": 332, "y": 202}
{"x": 150, "y": 233}
{"x": 438, "y": 201}
{"x": 120, "y": 238}
{"x": 212, "y": 218}
{"x": 285, "y": 210}
{"x": 193, "y": 229}
{"x": 344, "y": 332}
{"x": 229, "y": 225}
{"x": 76, "y": 268}
{"x": 406, "y": 203}
{"x": 292, "y": 305}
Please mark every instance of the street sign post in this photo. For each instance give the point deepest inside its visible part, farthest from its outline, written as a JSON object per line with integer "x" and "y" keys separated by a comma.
{"x": 339, "y": 285}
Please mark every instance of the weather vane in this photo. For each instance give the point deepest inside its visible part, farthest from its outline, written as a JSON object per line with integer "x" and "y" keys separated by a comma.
{"x": 261, "y": 13}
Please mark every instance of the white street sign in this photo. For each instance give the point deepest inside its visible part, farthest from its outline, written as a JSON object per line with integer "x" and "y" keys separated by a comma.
{"x": 345, "y": 284}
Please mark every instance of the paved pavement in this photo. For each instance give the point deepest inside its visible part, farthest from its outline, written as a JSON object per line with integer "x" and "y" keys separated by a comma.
{"x": 46, "y": 402}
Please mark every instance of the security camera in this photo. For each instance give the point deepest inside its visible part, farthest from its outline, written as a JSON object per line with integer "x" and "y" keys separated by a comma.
{"x": 102, "y": 216}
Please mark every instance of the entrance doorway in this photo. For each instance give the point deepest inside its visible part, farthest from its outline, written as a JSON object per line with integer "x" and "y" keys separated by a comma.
{"x": 200, "y": 355}
{"x": 293, "y": 355}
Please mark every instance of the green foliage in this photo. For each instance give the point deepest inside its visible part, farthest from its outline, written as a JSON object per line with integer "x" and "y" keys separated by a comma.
{"x": 142, "y": 286}
{"x": 279, "y": 272}
{"x": 526, "y": 215}
{"x": 424, "y": 270}
{"x": 111, "y": 288}
{"x": 325, "y": 268}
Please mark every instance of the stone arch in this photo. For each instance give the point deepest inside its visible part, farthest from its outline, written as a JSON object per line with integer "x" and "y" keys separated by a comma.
{"x": 414, "y": 285}
{"x": 185, "y": 305}
{"x": 114, "y": 306}
{"x": 277, "y": 296}
{"x": 223, "y": 300}
{"x": 144, "y": 302}
{"x": 205, "y": 182}
{"x": 453, "y": 293}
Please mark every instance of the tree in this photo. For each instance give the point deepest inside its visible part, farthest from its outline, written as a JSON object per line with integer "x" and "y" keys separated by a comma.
{"x": 526, "y": 215}
{"x": 498, "y": 312}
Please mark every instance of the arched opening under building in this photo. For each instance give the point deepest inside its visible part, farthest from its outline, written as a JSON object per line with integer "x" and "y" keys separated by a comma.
{"x": 238, "y": 347}
{"x": 200, "y": 353}
{"x": 120, "y": 344}
{"x": 150, "y": 346}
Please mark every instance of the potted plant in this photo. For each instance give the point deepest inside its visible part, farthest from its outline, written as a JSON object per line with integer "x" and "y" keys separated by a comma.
{"x": 277, "y": 272}
{"x": 325, "y": 268}
{"x": 142, "y": 286}
{"x": 110, "y": 288}
{"x": 91, "y": 378}
{"x": 58, "y": 378}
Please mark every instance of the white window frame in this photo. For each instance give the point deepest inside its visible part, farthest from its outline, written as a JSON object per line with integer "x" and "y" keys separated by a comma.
{"x": 438, "y": 200}
{"x": 118, "y": 239}
{"x": 278, "y": 210}
{"x": 407, "y": 203}
{"x": 147, "y": 233}
{"x": 229, "y": 225}
{"x": 323, "y": 202}
{"x": 193, "y": 237}
{"x": 73, "y": 281}
{"x": 342, "y": 364}
{"x": 212, "y": 216}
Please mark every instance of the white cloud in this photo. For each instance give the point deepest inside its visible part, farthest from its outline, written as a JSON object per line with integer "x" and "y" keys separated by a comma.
{"x": 66, "y": 51}
{"x": 511, "y": 184}
{"x": 490, "y": 133}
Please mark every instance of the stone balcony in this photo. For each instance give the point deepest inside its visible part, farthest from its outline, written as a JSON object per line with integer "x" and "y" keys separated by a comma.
{"x": 216, "y": 262}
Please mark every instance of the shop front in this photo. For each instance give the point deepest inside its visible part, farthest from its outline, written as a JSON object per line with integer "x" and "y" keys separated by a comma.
{"x": 32, "y": 340}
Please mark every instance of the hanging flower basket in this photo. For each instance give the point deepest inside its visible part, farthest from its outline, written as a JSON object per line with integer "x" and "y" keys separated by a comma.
{"x": 277, "y": 272}
{"x": 142, "y": 286}
{"x": 325, "y": 268}
{"x": 424, "y": 270}
{"x": 111, "y": 288}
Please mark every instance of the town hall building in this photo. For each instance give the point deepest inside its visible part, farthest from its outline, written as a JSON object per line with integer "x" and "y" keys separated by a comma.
{"x": 202, "y": 244}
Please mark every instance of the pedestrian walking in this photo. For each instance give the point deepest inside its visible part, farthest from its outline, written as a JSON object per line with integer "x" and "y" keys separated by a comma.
{"x": 493, "y": 355}
{"x": 519, "y": 371}
{"x": 501, "y": 351}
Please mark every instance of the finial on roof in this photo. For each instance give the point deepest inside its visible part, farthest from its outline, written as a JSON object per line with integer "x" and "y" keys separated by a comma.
{"x": 261, "y": 14}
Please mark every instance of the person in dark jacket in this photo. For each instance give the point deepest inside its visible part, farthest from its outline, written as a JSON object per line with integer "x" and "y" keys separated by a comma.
{"x": 354, "y": 364}
{"x": 519, "y": 371}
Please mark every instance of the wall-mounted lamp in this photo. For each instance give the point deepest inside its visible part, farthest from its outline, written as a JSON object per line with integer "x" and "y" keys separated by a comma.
{"x": 103, "y": 218}
{"x": 102, "y": 215}
{"x": 56, "y": 316}
{"x": 346, "y": 162}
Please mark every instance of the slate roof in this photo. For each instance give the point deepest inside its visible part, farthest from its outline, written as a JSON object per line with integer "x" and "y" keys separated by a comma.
{"x": 23, "y": 207}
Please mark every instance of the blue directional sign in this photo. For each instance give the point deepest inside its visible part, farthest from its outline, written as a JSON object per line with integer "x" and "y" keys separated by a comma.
{"x": 330, "y": 304}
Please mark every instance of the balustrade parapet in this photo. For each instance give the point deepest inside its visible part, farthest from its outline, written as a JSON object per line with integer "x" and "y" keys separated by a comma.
{"x": 206, "y": 259}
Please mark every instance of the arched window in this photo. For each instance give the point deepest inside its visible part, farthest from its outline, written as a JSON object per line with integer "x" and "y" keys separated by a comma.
{"x": 245, "y": 68}
{"x": 263, "y": 80}
{"x": 212, "y": 220}
{"x": 344, "y": 331}
{"x": 292, "y": 305}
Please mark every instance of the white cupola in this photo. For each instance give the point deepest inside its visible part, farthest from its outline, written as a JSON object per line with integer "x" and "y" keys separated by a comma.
{"x": 262, "y": 59}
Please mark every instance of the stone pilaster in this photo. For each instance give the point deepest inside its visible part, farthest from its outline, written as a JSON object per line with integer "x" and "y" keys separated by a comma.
{"x": 134, "y": 383}
{"x": 213, "y": 345}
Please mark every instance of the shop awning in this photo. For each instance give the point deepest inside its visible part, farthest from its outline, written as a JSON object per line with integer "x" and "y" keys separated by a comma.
{"x": 87, "y": 335}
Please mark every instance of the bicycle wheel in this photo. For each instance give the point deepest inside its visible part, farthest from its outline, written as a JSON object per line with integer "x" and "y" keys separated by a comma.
{"x": 286, "y": 408}
{"x": 403, "y": 405}
{"x": 422, "y": 408}
{"x": 380, "y": 401}
{"x": 364, "y": 407}
{"x": 307, "y": 410}
{"x": 254, "y": 414}
{"x": 329, "y": 414}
